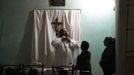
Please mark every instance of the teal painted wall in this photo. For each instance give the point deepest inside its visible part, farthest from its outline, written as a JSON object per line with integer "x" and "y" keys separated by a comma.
{"x": 97, "y": 21}
{"x": 94, "y": 31}
{"x": 96, "y": 24}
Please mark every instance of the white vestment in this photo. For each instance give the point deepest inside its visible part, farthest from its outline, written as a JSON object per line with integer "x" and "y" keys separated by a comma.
{"x": 64, "y": 51}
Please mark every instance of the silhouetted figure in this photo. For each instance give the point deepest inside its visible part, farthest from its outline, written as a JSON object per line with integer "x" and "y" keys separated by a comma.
{"x": 107, "y": 61}
{"x": 83, "y": 60}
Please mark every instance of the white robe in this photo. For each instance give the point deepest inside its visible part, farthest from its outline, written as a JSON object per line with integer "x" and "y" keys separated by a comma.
{"x": 64, "y": 51}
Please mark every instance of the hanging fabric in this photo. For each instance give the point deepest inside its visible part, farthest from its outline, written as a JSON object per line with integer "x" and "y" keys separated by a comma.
{"x": 45, "y": 30}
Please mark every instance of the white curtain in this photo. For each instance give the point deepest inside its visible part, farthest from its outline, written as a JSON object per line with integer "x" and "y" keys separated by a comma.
{"x": 42, "y": 51}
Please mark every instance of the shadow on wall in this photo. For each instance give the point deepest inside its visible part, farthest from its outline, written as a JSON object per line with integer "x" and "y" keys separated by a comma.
{"x": 24, "y": 53}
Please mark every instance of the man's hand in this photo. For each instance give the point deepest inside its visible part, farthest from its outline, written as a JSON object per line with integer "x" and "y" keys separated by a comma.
{"x": 64, "y": 38}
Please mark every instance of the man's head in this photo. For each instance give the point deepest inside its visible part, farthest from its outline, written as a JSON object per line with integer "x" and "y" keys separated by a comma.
{"x": 64, "y": 32}
{"x": 84, "y": 45}
{"x": 107, "y": 41}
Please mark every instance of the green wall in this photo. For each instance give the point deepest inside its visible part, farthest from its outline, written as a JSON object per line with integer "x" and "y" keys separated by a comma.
{"x": 97, "y": 21}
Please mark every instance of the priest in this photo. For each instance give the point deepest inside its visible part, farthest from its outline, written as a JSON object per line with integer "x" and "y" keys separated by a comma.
{"x": 64, "y": 47}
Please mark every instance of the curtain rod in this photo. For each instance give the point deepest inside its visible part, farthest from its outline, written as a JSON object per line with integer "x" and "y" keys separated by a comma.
{"x": 57, "y": 9}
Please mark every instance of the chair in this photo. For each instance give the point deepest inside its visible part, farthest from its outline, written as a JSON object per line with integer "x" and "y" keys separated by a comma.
{"x": 1, "y": 70}
{"x": 85, "y": 73}
{"x": 33, "y": 69}
{"x": 20, "y": 69}
{"x": 62, "y": 70}
{"x": 11, "y": 69}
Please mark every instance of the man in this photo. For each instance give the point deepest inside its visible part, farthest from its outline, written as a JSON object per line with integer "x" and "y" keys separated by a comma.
{"x": 107, "y": 61}
{"x": 64, "y": 46}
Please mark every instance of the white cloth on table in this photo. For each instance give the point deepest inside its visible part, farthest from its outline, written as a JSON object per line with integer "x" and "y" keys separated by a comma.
{"x": 49, "y": 72}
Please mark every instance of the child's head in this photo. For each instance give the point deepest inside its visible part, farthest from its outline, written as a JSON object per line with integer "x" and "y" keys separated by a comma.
{"x": 84, "y": 45}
